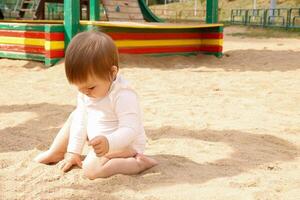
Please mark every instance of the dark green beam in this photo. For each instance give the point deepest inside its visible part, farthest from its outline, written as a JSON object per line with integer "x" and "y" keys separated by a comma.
{"x": 94, "y": 10}
{"x": 211, "y": 11}
{"x": 71, "y": 19}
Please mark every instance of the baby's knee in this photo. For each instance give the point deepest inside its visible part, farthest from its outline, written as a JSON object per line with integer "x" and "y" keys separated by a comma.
{"x": 90, "y": 175}
{"x": 92, "y": 172}
{"x": 89, "y": 170}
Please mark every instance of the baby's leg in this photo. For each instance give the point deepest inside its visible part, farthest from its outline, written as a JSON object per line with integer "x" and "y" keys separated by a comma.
{"x": 92, "y": 165}
{"x": 95, "y": 167}
{"x": 58, "y": 148}
{"x": 127, "y": 166}
{"x": 126, "y": 153}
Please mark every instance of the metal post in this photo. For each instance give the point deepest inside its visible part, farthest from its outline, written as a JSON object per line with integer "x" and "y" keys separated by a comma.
{"x": 273, "y": 4}
{"x": 71, "y": 19}
{"x": 211, "y": 11}
{"x": 165, "y": 7}
{"x": 94, "y": 10}
{"x": 195, "y": 7}
{"x": 272, "y": 7}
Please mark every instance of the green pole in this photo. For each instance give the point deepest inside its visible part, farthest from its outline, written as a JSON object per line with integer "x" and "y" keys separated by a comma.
{"x": 211, "y": 11}
{"x": 94, "y": 10}
{"x": 71, "y": 19}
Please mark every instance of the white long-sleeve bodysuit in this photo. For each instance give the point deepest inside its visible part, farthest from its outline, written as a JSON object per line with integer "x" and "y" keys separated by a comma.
{"x": 116, "y": 116}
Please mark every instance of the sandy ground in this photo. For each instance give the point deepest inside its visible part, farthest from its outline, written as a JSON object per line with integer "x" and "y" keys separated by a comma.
{"x": 224, "y": 128}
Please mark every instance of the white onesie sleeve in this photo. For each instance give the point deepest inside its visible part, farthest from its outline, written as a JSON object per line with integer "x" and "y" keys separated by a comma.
{"x": 78, "y": 131}
{"x": 128, "y": 112}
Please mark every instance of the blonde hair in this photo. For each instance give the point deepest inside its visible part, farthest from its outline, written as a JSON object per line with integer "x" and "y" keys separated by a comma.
{"x": 90, "y": 53}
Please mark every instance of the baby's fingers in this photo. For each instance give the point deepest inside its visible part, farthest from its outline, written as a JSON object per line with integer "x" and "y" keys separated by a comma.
{"x": 67, "y": 167}
{"x": 99, "y": 152}
{"x": 61, "y": 164}
{"x": 95, "y": 141}
{"x": 79, "y": 163}
{"x": 64, "y": 165}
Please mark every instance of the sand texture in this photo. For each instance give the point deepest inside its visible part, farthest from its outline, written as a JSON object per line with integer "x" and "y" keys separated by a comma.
{"x": 224, "y": 128}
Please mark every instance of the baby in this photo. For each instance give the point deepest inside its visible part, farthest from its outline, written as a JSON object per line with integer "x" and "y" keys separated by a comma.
{"x": 107, "y": 115}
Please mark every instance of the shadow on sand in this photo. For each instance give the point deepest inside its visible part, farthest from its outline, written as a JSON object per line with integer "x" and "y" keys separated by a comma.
{"x": 173, "y": 169}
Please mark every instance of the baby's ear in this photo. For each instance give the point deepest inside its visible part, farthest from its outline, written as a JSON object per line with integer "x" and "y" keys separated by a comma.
{"x": 114, "y": 70}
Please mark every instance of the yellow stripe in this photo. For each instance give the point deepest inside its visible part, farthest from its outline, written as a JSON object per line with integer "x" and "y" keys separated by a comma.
{"x": 24, "y": 41}
{"x": 54, "y": 45}
{"x": 41, "y": 22}
{"x": 119, "y": 24}
{"x": 153, "y": 43}
{"x": 49, "y": 45}
{"x": 147, "y": 25}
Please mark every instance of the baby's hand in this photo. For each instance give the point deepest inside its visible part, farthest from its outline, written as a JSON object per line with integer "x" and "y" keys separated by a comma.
{"x": 70, "y": 160}
{"x": 100, "y": 145}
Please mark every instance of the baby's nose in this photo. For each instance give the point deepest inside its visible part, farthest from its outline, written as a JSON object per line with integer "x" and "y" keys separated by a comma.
{"x": 84, "y": 91}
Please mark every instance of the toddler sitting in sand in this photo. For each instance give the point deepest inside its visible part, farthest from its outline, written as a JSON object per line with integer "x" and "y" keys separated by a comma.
{"x": 107, "y": 114}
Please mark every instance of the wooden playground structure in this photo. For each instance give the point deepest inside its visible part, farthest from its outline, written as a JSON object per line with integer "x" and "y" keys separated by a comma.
{"x": 135, "y": 29}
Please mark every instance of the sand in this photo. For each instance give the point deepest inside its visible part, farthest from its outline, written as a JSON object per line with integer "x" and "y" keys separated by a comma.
{"x": 224, "y": 128}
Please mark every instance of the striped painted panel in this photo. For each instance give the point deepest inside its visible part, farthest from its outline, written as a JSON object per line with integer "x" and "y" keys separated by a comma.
{"x": 36, "y": 40}
{"x": 42, "y": 42}
{"x": 141, "y": 38}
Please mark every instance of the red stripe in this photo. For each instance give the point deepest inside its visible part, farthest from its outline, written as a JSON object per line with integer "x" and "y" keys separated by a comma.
{"x": 33, "y": 34}
{"x": 27, "y": 34}
{"x": 55, "y": 36}
{"x": 158, "y": 36}
{"x": 33, "y": 49}
{"x": 55, "y": 54}
{"x": 21, "y": 48}
{"x": 146, "y": 50}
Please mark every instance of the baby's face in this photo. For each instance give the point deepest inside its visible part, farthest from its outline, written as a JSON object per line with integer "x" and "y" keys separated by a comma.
{"x": 94, "y": 87}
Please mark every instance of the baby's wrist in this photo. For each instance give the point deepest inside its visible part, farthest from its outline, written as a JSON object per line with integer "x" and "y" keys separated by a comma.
{"x": 71, "y": 154}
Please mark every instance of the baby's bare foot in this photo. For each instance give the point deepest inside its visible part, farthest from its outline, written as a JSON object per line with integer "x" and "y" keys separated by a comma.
{"x": 49, "y": 157}
{"x": 145, "y": 162}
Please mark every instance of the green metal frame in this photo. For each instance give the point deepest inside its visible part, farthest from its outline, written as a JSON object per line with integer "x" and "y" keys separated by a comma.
{"x": 211, "y": 11}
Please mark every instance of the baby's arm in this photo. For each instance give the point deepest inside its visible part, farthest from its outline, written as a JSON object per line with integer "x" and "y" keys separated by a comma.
{"x": 127, "y": 109}
{"x": 77, "y": 137}
{"x": 78, "y": 133}
{"x": 117, "y": 143}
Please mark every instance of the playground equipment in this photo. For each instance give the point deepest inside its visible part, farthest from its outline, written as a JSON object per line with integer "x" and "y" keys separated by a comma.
{"x": 45, "y": 40}
{"x": 116, "y": 11}
{"x": 35, "y": 9}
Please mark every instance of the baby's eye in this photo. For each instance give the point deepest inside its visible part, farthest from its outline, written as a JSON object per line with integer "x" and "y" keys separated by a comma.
{"x": 91, "y": 88}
